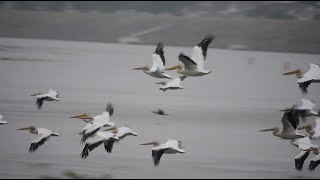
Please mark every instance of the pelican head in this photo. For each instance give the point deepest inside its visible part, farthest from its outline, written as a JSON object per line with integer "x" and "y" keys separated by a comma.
{"x": 178, "y": 67}
{"x": 270, "y": 129}
{"x": 144, "y": 68}
{"x": 31, "y": 129}
{"x": 307, "y": 127}
{"x": 296, "y": 72}
{"x": 154, "y": 143}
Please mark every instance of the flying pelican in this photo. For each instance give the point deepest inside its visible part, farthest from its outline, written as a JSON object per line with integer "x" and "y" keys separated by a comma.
{"x": 305, "y": 108}
{"x": 290, "y": 122}
{"x": 172, "y": 85}
{"x": 52, "y": 95}
{"x": 44, "y": 136}
{"x": 313, "y": 131}
{"x": 160, "y": 112}
{"x": 194, "y": 66}
{"x": 1, "y": 121}
{"x": 315, "y": 161}
{"x": 303, "y": 144}
{"x": 157, "y": 69}
{"x": 97, "y": 140}
{"x": 97, "y": 122}
{"x": 170, "y": 147}
{"x": 306, "y": 78}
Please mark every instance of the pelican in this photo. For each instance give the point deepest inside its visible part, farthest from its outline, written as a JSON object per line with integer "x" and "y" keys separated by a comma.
{"x": 97, "y": 122}
{"x": 313, "y": 131}
{"x": 194, "y": 66}
{"x": 1, "y": 121}
{"x": 315, "y": 161}
{"x": 160, "y": 112}
{"x": 290, "y": 122}
{"x": 157, "y": 69}
{"x": 97, "y": 140}
{"x": 303, "y": 144}
{"x": 52, "y": 95}
{"x": 44, "y": 136}
{"x": 305, "y": 108}
{"x": 172, "y": 85}
{"x": 170, "y": 147}
{"x": 306, "y": 78}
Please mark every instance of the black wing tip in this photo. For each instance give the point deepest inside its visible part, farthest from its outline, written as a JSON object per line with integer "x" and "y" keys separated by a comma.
{"x": 312, "y": 166}
{"x": 85, "y": 152}
{"x": 110, "y": 108}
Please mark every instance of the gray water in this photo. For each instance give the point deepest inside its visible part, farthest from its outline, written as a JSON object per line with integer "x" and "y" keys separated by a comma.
{"x": 217, "y": 117}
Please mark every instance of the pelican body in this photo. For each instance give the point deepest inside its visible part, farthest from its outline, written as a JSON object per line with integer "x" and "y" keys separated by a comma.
{"x": 290, "y": 122}
{"x": 52, "y": 95}
{"x": 159, "y": 62}
{"x": 194, "y": 66}
{"x": 306, "y": 78}
{"x": 2, "y": 122}
{"x": 44, "y": 134}
{"x": 175, "y": 84}
{"x": 170, "y": 147}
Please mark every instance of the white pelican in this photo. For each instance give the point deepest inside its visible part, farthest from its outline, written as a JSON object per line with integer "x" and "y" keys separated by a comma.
{"x": 44, "y": 136}
{"x": 1, "y": 121}
{"x": 313, "y": 131}
{"x": 160, "y": 112}
{"x": 290, "y": 122}
{"x": 97, "y": 140}
{"x": 315, "y": 161}
{"x": 97, "y": 122}
{"x": 157, "y": 69}
{"x": 305, "y": 108}
{"x": 170, "y": 147}
{"x": 303, "y": 144}
{"x": 52, "y": 95}
{"x": 194, "y": 66}
{"x": 306, "y": 78}
{"x": 172, "y": 85}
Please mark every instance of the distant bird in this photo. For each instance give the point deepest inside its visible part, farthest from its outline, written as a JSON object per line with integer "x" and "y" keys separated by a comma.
{"x": 194, "y": 66}
{"x": 303, "y": 144}
{"x": 306, "y": 78}
{"x": 44, "y": 136}
{"x": 159, "y": 62}
{"x": 97, "y": 122}
{"x": 305, "y": 109}
{"x": 290, "y": 123}
{"x": 96, "y": 140}
{"x": 170, "y": 147}
{"x": 160, "y": 112}
{"x": 52, "y": 95}
{"x": 313, "y": 131}
{"x": 172, "y": 85}
{"x": 1, "y": 121}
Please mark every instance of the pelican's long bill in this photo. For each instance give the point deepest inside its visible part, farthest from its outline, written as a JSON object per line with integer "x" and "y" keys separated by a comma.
{"x": 139, "y": 68}
{"x": 36, "y": 94}
{"x": 304, "y": 127}
{"x": 82, "y": 116}
{"x": 162, "y": 82}
{"x": 270, "y": 129}
{"x": 150, "y": 143}
{"x": 111, "y": 129}
{"x": 292, "y": 72}
{"x": 25, "y": 128}
{"x": 174, "y": 67}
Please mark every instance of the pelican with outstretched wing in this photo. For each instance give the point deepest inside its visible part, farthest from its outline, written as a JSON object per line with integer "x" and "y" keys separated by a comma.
{"x": 159, "y": 62}
{"x": 2, "y": 122}
{"x": 51, "y": 95}
{"x": 194, "y": 66}
{"x": 96, "y": 123}
{"x": 160, "y": 112}
{"x": 305, "y": 108}
{"x": 44, "y": 134}
{"x": 170, "y": 147}
{"x": 290, "y": 123}
{"x": 306, "y": 78}
{"x": 172, "y": 85}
